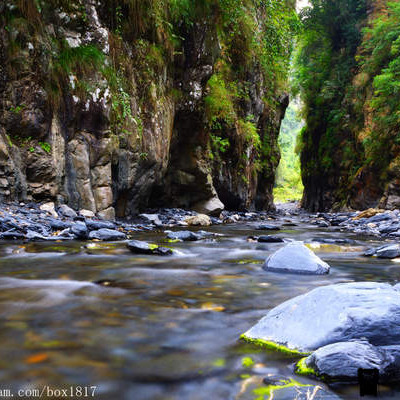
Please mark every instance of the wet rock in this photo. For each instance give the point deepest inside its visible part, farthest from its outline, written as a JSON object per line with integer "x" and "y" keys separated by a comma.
{"x": 380, "y": 217}
{"x": 231, "y": 219}
{"x": 368, "y": 213}
{"x": 341, "y": 361}
{"x": 66, "y": 211}
{"x": 272, "y": 387}
{"x": 86, "y": 213}
{"x": 323, "y": 224}
{"x": 198, "y": 220}
{"x": 289, "y": 224}
{"x": 107, "y": 214}
{"x": 331, "y": 314}
{"x": 57, "y": 224}
{"x": 302, "y": 392}
{"x": 296, "y": 258}
{"x": 107, "y": 234}
{"x": 191, "y": 236}
{"x": 184, "y": 236}
{"x": 215, "y": 221}
{"x": 338, "y": 219}
{"x": 387, "y": 251}
{"x": 389, "y": 227}
{"x": 269, "y": 239}
{"x": 212, "y": 206}
{"x": 334, "y": 241}
{"x": 267, "y": 227}
{"x": 152, "y": 219}
{"x": 95, "y": 225}
{"x": 34, "y": 236}
{"x": 139, "y": 247}
{"x": 12, "y": 235}
{"x": 49, "y": 208}
{"x": 79, "y": 230}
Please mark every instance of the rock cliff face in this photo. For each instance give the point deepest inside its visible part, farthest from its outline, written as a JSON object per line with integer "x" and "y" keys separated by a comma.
{"x": 350, "y": 152}
{"x": 110, "y": 106}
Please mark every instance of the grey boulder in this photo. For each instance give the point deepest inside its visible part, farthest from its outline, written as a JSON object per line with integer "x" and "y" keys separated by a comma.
{"x": 296, "y": 258}
{"x": 267, "y": 227}
{"x": 96, "y": 225}
{"x": 184, "y": 236}
{"x": 387, "y": 251}
{"x": 152, "y": 219}
{"x": 66, "y": 211}
{"x": 270, "y": 239}
{"x": 79, "y": 230}
{"x": 334, "y": 313}
{"x": 107, "y": 234}
{"x": 342, "y": 360}
{"x": 139, "y": 247}
{"x": 213, "y": 206}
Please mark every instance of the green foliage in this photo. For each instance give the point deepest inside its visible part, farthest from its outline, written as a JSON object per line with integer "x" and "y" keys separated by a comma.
{"x": 17, "y": 109}
{"x": 259, "y": 32}
{"x": 120, "y": 100}
{"x": 45, "y": 146}
{"x": 381, "y": 62}
{"x": 146, "y": 40}
{"x": 9, "y": 141}
{"x": 325, "y": 63}
{"x": 249, "y": 132}
{"x": 288, "y": 184}
{"x": 79, "y": 60}
{"x": 218, "y": 144}
{"x": 219, "y": 103}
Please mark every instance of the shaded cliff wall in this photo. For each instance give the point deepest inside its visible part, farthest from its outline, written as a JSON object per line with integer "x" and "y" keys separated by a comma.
{"x": 347, "y": 72}
{"x": 118, "y": 105}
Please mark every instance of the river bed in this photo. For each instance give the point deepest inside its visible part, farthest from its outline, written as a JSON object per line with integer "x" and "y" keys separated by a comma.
{"x": 150, "y": 327}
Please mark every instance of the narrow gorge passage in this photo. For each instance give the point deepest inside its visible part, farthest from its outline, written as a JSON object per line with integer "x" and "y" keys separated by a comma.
{"x": 288, "y": 185}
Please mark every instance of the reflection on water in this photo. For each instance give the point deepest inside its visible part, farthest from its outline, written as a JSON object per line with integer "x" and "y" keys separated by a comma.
{"x": 147, "y": 327}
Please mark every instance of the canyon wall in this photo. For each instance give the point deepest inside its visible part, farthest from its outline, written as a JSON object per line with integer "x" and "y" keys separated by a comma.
{"x": 347, "y": 71}
{"x": 120, "y": 105}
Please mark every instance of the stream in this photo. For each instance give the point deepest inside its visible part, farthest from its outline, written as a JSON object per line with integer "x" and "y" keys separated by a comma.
{"x": 150, "y": 327}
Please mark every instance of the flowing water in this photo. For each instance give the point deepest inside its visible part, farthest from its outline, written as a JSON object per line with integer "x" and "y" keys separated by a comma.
{"x": 159, "y": 327}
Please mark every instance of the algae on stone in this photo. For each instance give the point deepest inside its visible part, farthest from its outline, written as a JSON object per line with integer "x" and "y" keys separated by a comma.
{"x": 272, "y": 346}
{"x": 267, "y": 392}
{"x": 303, "y": 369}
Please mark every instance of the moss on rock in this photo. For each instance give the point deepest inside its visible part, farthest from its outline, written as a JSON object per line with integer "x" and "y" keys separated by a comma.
{"x": 303, "y": 369}
{"x": 267, "y": 392}
{"x": 272, "y": 346}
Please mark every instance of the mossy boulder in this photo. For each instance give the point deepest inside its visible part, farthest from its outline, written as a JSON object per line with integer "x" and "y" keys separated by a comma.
{"x": 140, "y": 247}
{"x": 341, "y": 361}
{"x": 331, "y": 314}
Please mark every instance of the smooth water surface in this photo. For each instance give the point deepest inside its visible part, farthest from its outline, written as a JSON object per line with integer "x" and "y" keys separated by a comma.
{"x": 159, "y": 327}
